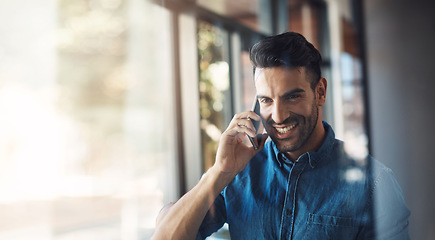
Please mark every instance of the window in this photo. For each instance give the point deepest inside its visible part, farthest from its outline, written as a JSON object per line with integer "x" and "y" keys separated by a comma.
{"x": 225, "y": 83}
{"x": 87, "y": 146}
{"x": 214, "y": 87}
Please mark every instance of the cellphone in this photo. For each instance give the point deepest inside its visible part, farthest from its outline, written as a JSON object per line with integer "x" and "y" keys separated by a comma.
{"x": 255, "y": 108}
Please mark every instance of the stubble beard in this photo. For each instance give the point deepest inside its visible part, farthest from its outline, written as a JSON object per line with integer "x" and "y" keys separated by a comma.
{"x": 305, "y": 127}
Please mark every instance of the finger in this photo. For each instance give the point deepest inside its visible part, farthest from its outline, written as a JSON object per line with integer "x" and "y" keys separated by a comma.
{"x": 240, "y": 130}
{"x": 244, "y": 120}
{"x": 248, "y": 115}
{"x": 246, "y": 123}
{"x": 254, "y": 116}
{"x": 241, "y": 122}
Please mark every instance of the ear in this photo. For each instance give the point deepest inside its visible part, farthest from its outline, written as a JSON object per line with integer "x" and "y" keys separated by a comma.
{"x": 321, "y": 91}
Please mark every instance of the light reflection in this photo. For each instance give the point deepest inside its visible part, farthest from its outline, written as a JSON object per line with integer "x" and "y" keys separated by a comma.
{"x": 356, "y": 146}
{"x": 219, "y": 75}
{"x": 31, "y": 128}
{"x": 92, "y": 31}
{"x": 118, "y": 81}
{"x": 354, "y": 175}
{"x": 111, "y": 4}
{"x": 212, "y": 131}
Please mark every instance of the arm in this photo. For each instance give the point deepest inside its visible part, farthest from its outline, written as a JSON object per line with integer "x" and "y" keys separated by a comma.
{"x": 182, "y": 219}
{"x": 390, "y": 213}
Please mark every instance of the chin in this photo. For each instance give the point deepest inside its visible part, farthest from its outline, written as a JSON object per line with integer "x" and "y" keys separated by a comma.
{"x": 285, "y": 146}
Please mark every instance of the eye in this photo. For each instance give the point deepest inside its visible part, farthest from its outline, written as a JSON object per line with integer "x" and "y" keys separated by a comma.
{"x": 265, "y": 100}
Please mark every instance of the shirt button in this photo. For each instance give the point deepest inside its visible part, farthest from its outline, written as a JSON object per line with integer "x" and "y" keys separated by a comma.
{"x": 288, "y": 212}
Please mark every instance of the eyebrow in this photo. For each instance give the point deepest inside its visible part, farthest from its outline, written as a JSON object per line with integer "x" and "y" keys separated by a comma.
{"x": 287, "y": 94}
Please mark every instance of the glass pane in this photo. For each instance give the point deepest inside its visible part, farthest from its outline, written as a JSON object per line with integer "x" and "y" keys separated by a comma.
{"x": 354, "y": 112}
{"x": 255, "y": 14}
{"x": 304, "y": 19}
{"x": 355, "y": 134}
{"x": 87, "y": 126}
{"x": 214, "y": 87}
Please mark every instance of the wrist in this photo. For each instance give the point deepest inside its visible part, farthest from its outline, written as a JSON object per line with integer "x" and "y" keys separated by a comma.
{"x": 220, "y": 178}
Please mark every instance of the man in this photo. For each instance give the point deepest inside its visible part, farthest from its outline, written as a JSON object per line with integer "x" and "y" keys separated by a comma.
{"x": 300, "y": 185}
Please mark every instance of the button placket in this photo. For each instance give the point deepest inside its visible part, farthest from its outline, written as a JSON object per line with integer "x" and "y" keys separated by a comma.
{"x": 287, "y": 219}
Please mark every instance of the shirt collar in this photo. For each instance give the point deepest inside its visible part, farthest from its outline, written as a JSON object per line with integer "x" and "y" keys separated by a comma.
{"x": 314, "y": 157}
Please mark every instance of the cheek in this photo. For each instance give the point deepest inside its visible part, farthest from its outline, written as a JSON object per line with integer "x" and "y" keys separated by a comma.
{"x": 306, "y": 108}
{"x": 265, "y": 112}
{"x": 264, "y": 117}
{"x": 301, "y": 109}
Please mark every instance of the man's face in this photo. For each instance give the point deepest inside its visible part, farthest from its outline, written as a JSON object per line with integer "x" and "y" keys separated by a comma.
{"x": 288, "y": 106}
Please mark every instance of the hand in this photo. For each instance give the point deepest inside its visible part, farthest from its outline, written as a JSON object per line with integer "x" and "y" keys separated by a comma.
{"x": 233, "y": 154}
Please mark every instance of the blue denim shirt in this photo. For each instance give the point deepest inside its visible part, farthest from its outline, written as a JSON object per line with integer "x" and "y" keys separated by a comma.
{"x": 325, "y": 194}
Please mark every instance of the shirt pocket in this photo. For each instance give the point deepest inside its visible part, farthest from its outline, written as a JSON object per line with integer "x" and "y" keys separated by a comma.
{"x": 330, "y": 227}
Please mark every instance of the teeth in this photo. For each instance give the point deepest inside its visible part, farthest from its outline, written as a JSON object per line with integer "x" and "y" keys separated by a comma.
{"x": 285, "y": 129}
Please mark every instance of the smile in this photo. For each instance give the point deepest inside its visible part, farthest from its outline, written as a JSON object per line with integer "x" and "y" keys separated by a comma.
{"x": 285, "y": 129}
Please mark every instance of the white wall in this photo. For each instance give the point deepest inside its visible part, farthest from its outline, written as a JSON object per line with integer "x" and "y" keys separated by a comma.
{"x": 400, "y": 45}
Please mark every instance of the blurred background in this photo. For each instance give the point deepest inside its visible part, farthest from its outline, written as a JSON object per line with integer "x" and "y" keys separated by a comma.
{"x": 110, "y": 109}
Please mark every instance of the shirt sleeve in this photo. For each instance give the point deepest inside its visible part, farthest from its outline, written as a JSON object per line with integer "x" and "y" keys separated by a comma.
{"x": 389, "y": 211}
{"x": 214, "y": 219}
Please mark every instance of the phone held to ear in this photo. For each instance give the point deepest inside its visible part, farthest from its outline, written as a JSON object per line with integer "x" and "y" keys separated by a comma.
{"x": 255, "y": 108}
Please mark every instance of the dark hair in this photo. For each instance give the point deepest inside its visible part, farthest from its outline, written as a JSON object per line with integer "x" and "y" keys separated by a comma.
{"x": 288, "y": 49}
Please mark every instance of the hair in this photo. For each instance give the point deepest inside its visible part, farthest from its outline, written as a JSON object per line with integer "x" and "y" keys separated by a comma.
{"x": 288, "y": 50}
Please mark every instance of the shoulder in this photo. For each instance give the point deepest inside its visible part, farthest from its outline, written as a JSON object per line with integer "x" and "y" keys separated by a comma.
{"x": 387, "y": 202}
{"x": 374, "y": 172}
{"x": 378, "y": 179}
{"x": 384, "y": 184}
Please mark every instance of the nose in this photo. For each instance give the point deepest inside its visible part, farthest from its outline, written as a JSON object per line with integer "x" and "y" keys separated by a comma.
{"x": 279, "y": 114}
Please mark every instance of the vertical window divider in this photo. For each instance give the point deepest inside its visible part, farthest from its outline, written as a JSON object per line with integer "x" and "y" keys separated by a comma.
{"x": 189, "y": 96}
{"x": 235, "y": 72}
{"x": 178, "y": 106}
